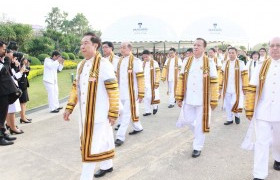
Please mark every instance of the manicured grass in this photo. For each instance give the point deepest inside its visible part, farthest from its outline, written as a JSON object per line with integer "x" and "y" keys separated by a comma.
{"x": 38, "y": 93}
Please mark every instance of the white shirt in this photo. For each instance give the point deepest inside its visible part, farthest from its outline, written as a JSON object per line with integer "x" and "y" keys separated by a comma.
{"x": 106, "y": 72}
{"x": 268, "y": 106}
{"x": 50, "y": 70}
{"x": 194, "y": 89}
{"x": 147, "y": 73}
{"x": 123, "y": 79}
{"x": 115, "y": 61}
{"x": 251, "y": 66}
{"x": 231, "y": 75}
{"x": 219, "y": 62}
{"x": 172, "y": 67}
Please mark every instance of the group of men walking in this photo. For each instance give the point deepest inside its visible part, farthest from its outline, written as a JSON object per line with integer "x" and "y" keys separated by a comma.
{"x": 110, "y": 88}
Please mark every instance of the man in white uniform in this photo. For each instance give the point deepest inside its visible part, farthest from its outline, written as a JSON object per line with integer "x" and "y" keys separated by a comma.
{"x": 51, "y": 66}
{"x": 132, "y": 89}
{"x": 170, "y": 73}
{"x": 96, "y": 90}
{"x": 263, "y": 55}
{"x": 252, "y": 63}
{"x": 235, "y": 82}
{"x": 262, "y": 105}
{"x": 152, "y": 77}
{"x": 196, "y": 91}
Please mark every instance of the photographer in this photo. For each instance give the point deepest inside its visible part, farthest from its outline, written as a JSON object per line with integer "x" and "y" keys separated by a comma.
{"x": 7, "y": 87}
{"x": 23, "y": 85}
{"x": 16, "y": 73}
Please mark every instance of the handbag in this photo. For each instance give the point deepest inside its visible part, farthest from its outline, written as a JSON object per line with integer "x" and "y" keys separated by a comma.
{"x": 14, "y": 96}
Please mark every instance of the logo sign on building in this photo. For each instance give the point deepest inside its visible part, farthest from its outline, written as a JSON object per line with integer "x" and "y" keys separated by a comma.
{"x": 140, "y": 29}
{"x": 215, "y": 29}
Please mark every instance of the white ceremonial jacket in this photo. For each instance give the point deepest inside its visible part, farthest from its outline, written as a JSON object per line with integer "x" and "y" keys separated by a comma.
{"x": 268, "y": 106}
{"x": 194, "y": 89}
{"x": 123, "y": 79}
{"x": 50, "y": 70}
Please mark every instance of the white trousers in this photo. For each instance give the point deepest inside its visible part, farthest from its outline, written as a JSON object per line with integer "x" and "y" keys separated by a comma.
{"x": 194, "y": 119}
{"x": 147, "y": 101}
{"x": 230, "y": 99}
{"x": 171, "y": 92}
{"x": 125, "y": 119}
{"x": 52, "y": 90}
{"x": 88, "y": 169}
{"x": 264, "y": 131}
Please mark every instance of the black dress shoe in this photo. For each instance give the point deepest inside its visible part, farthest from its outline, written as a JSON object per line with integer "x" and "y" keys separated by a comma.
{"x": 228, "y": 123}
{"x": 9, "y": 138}
{"x": 4, "y": 142}
{"x": 257, "y": 179}
{"x": 276, "y": 166}
{"x": 24, "y": 121}
{"x": 170, "y": 106}
{"x": 155, "y": 111}
{"x": 101, "y": 172}
{"x": 59, "y": 108}
{"x": 134, "y": 132}
{"x": 237, "y": 120}
{"x": 117, "y": 127}
{"x": 195, "y": 153}
{"x": 118, "y": 142}
{"x": 147, "y": 114}
{"x": 55, "y": 111}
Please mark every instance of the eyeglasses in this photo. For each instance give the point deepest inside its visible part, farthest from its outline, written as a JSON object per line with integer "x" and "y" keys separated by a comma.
{"x": 274, "y": 45}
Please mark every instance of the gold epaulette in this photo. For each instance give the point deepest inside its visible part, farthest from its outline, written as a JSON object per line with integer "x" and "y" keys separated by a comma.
{"x": 141, "y": 84}
{"x": 163, "y": 74}
{"x": 179, "y": 94}
{"x": 250, "y": 101}
{"x": 73, "y": 97}
{"x": 112, "y": 89}
{"x": 214, "y": 92}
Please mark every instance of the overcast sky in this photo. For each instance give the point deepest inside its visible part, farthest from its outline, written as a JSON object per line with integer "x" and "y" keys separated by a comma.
{"x": 259, "y": 18}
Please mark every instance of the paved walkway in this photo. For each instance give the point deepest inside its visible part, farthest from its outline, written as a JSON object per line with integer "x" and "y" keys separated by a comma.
{"x": 49, "y": 150}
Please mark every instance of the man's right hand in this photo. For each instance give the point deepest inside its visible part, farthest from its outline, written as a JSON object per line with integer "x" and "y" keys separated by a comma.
{"x": 249, "y": 117}
{"x": 179, "y": 103}
{"x": 66, "y": 115}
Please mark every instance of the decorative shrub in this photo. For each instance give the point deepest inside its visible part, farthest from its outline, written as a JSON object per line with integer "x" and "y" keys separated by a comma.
{"x": 34, "y": 60}
{"x": 65, "y": 55}
{"x": 42, "y": 57}
{"x": 71, "y": 56}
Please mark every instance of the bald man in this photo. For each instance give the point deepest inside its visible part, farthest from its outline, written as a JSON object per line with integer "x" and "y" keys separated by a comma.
{"x": 265, "y": 87}
{"x": 132, "y": 89}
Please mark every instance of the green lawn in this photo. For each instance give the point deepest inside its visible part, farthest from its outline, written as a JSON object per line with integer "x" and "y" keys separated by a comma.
{"x": 38, "y": 94}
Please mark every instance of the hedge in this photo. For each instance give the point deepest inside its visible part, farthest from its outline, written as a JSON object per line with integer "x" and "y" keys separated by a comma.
{"x": 42, "y": 57}
{"x": 34, "y": 60}
{"x": 37, "y": 70}
{"x": 65, "y": 55}
{"x": 71, "y": 56}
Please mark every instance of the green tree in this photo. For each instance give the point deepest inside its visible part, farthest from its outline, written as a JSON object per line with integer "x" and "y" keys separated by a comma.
{"x": 243, "y": 48}
{"x": 23, "y": 32}
{"x": 6, "y": 32}
{"x": 55, "y": 19}
{"x": 39, "y": 45}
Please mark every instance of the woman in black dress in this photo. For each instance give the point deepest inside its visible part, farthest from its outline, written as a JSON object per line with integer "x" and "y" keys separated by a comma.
{"x": 23, "y": 85}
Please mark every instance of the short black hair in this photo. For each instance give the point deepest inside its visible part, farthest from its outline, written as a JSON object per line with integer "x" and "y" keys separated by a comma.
{"x": 94, "y": 38}
{"x": 190, "y": 50}
{"x": 55, "y": 53}
{"x": 12, "y": 46}
{"x": 110, "y": 44}
{"x": 204, "y": 41}
{"x": 212, "y": 49}
{"x": 172, "y": 49}
{"x": 233, "y": 48}
{"x": 262, "y": 49}
{"x": 253, "y": 53}
{"x": 146, "y": 52}
{"x": 2, "y": 43}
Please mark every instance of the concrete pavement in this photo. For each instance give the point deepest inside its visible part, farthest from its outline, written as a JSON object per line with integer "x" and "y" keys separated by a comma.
{"x": 49, "y": 150}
